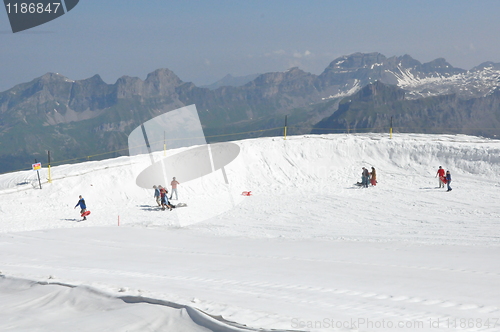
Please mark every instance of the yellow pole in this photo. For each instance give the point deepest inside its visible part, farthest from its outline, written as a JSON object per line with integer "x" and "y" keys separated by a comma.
{"x": 286, "y": 116}
{"x": 50, "y": 178}
{"x": 390, "y": 129}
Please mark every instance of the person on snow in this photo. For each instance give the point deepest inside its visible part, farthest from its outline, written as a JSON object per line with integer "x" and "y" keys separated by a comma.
{"x": 157, "y": 195}
{"x": 165, "y": 204}
{"x": 174, "y": 184}
{"x": 162, "y": 197}
{"x": 365, "y": 177}
{"x": 373, "y": 177}
{"x": 169, "y": 205}
{"x": 82, "y": 205}
{"x": 361, "y": 184}
{"x": 448, "y": 180}
{"x": 440, "y": 174}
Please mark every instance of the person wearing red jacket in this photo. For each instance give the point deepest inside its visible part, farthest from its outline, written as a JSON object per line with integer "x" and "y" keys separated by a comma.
{"x": 442, "y": 178}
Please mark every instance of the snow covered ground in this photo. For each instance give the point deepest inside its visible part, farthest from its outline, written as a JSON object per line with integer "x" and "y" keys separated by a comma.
{"x": 307, "y": 251}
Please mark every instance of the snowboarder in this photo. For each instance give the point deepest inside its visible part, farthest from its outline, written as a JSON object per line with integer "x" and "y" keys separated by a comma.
{"x": 448, "y": 180}
{"x": 82, "y": 205}
{"x": 373, "y": 177}
{"x": 174, "y": 184}
{"x": 157, "y": 195}
{"x": 440, "y": 174}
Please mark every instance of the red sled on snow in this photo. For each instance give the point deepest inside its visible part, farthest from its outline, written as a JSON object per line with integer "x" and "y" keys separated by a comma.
{"x": 86, "y": 213}
{"x": 247, "y": 193}
{"x": 443, "y": 179}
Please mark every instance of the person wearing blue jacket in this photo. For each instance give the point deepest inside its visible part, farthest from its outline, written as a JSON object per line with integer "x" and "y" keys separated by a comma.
{"x": 448, "y": 180}
{"x": 82, "y": 205}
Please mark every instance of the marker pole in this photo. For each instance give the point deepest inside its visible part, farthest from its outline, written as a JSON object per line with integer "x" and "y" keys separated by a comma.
{"x": 286, "y": 116}
{"x": 50, "y": 178}
{"x": 38, "y": 173}
{"x": 390, "y": 130}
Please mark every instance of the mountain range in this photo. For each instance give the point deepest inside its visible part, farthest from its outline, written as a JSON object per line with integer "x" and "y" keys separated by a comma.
{"x": 230, "y": 80}
{"x": 357, "y": 92}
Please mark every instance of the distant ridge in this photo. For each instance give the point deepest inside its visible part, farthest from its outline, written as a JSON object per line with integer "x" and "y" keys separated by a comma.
{"x": 375, "y": 105}
{"x": 230, "y": 80}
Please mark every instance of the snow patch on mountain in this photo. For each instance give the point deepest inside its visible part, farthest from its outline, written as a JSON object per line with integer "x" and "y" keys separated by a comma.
{"x": 352, "y": 90}
{"x": 470, "y": 84}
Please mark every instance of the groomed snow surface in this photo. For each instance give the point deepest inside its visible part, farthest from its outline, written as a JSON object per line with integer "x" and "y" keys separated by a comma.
{"x": 306, "y": 251}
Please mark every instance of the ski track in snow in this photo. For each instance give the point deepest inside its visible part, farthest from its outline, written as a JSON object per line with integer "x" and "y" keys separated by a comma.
{"x": 307, "y": 245}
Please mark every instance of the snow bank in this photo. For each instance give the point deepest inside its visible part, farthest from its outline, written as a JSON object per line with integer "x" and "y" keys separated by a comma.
{"x": 323, "y": 165}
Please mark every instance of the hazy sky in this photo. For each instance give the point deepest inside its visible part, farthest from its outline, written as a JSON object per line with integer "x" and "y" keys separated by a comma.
{"x": 202, "y": 41}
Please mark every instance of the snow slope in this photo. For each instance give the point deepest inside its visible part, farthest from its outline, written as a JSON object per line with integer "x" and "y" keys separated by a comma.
{"x": 307, "y": 251}
{"x": 478, "y": 82}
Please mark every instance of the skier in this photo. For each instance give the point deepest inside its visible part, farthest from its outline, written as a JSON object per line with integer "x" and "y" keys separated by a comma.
{"x": 440, "y": 174}
{"x": 157, "y": 195}
{"x": 448, "y": 180}
{"x": 82, "y": 205}
{"x": 174, "y": 184}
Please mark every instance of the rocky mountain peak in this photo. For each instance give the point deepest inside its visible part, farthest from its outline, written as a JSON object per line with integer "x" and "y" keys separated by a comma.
{"x": 379, "y": 93}
{"x": 52, "y": 77}
{"x": 487, "y": 65}
{"x": 95, "y": 79}
{"x": 405, "y": 61}
{"x": 163, "y": 76}
{"x": 439, "y": 65}
{"x": 356, "y": 61}
{"x": 277, "y": 78}
{"x": 127, "y": 86}
{"x": 161, "y": 82}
